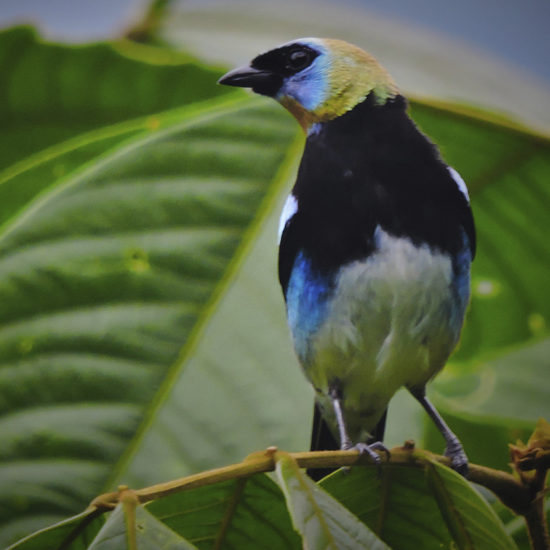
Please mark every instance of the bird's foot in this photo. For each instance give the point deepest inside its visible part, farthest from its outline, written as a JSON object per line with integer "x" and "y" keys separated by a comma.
{"x": 370, "y": 450}
{"x": 459, "y": 460}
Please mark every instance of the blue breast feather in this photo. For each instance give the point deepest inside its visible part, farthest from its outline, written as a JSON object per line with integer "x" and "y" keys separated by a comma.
{"x": 460, "y": 283}
{"x": 310, "y": 292}
{"x": 307, "y": 300}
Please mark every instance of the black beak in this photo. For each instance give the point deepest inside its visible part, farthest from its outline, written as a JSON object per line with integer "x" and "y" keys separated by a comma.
{"x": 261, "y": 81}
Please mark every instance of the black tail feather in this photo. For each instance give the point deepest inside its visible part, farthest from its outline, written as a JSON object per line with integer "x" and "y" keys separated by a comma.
{"x": 321, "y": 435}
{"x": 321, "y": 440}
{"x": 378, "y": 432}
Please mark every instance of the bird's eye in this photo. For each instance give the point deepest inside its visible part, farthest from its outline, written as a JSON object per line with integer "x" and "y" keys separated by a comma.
{"x": 298, "y": 59}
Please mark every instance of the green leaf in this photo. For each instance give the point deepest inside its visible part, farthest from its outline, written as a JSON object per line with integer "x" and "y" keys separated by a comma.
{"x": 495, "y": 405}
{"x": 75, "y": 533}
{"x": 243, "y": 513}
{"x": 153, "y": 534}
{"x": 470, "y": 520}
{"x": 52, "y": 92}
{"x": 395, "y": 503}
{"x": 240, "y": 513}
{"x": 427, "y": 508}
{"x": 320, "y": 519}
{"x": 150, "y": 533}
{"x": 506, "y": 169}
{"x": 143, "y": 333}
{"x": 486, "y": 398}
{"x": 113, "y": 534}
{"x": 107, "y": 269}
{"x": 507, "y": 165}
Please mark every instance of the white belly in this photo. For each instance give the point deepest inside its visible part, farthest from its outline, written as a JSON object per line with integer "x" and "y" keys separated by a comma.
{"x": 393, "y": 321}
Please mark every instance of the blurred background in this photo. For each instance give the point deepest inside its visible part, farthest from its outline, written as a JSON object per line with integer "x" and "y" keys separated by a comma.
{"x": 82, "y": 421}
{"x": 491, "y": 53}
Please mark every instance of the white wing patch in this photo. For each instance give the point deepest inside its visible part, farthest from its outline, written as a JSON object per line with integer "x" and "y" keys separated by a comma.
{"x": 289, "y": 209}
{"x": 460, "y": 182}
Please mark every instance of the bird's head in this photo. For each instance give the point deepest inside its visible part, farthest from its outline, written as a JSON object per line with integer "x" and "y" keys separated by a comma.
{"x": 316, "y": 79}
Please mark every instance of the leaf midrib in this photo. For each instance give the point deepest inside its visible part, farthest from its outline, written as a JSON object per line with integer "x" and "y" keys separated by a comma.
{"x": 287, "y": 167}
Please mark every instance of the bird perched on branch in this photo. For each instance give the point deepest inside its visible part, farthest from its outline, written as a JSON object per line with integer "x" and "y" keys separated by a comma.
{"x": 376, "y": 240}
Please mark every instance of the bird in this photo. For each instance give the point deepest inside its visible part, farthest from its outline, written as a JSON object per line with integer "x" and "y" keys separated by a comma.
{"x": 376, "y": 240}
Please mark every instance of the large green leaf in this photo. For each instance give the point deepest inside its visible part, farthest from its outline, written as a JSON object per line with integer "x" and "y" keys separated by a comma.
{"x": 240, "y": 513}
{"x": 398, "y": 506}
{"x": 74, "y": 533}
{"x": 51, "y": 92}
{"x": 427, "y": 508}
{"x": 150, "y": 533}
{"x": 322, "y": 521}
{"x": 506, "y": 167}
{"x": 265, "y": 342}
{"x": 496, "y": 404}
{"x": 506, "y": 170}
{"x": 107, "y": 268}
{"x": 482, "y": 393}
{"x": 143, "y": 334}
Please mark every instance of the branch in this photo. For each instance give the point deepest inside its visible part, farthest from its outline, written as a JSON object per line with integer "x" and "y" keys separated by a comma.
{"x": 531, "y": 462}
{"x": 537, "y": 460}
{"x": 505, "y": 486}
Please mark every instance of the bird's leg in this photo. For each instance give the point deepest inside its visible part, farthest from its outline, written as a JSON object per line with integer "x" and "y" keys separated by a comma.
{"x": 453, "y": 449}
{"x": 345, "y": 441}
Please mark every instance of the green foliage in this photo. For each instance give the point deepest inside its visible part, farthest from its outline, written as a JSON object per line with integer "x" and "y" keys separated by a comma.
{"x": 399, "y": 507}
{"x": 320, "y": 519}
{"x": 241, "y": 512}
{"x": 429, "y": 508}
{"x": 112, "y": 248}
{"x": 496, "y": 387}
{"x": 151, "y": 534}
{"x": 505, "y": 172}
{"x": 142, "y": 333}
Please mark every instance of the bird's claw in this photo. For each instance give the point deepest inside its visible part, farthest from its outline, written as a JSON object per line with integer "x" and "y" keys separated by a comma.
{"x": 370, "y": 450}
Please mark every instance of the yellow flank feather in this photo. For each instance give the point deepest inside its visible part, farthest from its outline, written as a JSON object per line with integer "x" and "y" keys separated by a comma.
{"x": 353, "y": 75}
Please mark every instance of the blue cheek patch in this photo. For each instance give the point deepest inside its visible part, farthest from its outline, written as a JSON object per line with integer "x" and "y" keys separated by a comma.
{"x": 307, "y": 300}
{"x": 309, "y": 87}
